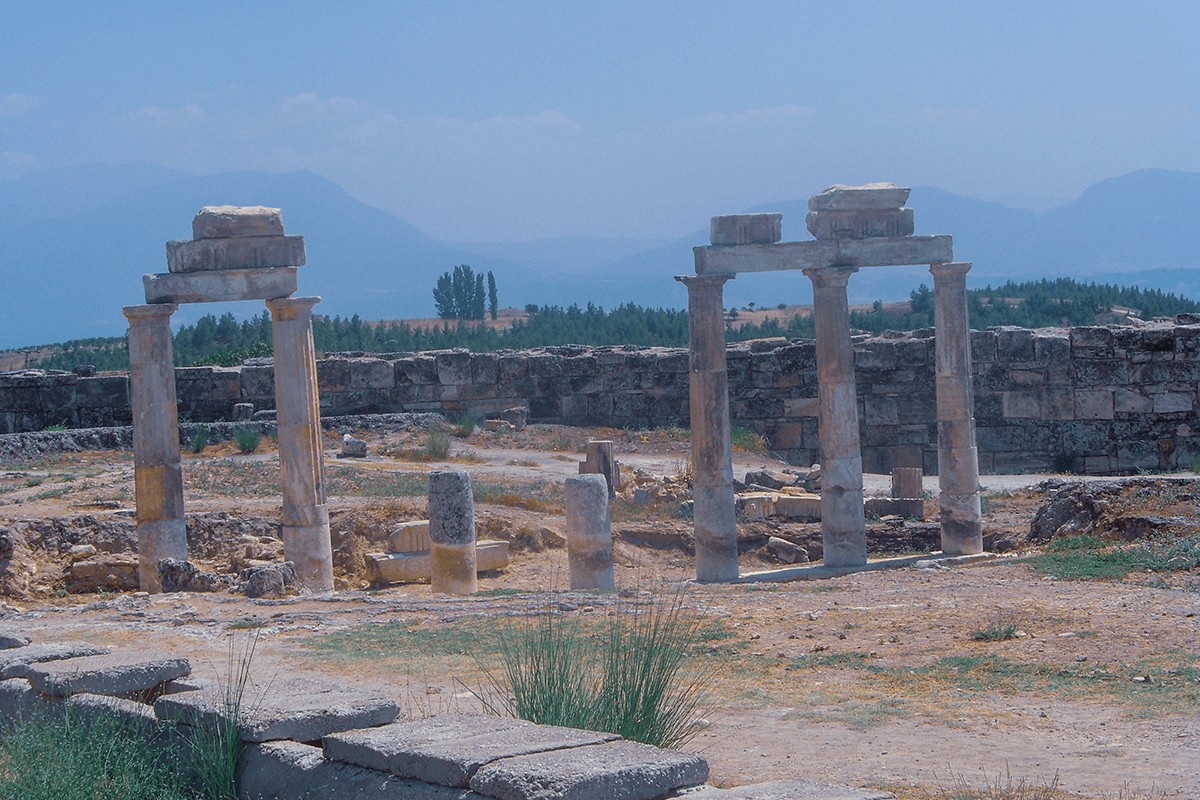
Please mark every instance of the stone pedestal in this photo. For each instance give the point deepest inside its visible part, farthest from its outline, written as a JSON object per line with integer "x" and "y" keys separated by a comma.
{"x": 305, "y": 519}
{"x": 714, "y": 521}
{"x": 589, "y": 533}
{"x": 599, "y": 461}
{"x": 843, "y": 526}
{"x": 158, "y": 481}
{"x": 958, "y": 458}
{"x": 452, "y": 533}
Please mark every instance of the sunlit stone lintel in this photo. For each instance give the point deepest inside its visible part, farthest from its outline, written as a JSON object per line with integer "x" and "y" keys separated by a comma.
{"x": 878, "y": 252}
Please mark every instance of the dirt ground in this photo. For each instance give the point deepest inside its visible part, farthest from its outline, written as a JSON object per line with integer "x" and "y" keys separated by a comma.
{"x": 872, "y": 679}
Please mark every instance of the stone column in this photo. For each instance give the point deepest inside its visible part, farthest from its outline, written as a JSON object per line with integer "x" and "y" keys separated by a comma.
{"x": 713, "y": 517}
{"x": 158, "y": 481}
{"x": 305, "y": 519}
{"x": 589, "y": 533}
{"x": 452, "y": 533}
{"x": 843, "y": 526}
{"x": 958, "y": 458}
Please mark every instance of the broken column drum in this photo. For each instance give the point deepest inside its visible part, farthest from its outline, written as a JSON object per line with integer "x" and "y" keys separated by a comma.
{"x": 157, "y": 477}
{"x": 589, "y": 533}
{"x": 452, "y": 533}
{"x": 854, "y": 227}
{"x": 235, "y": 253}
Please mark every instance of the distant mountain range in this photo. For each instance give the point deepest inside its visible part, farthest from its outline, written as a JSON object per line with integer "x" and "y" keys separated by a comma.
{"x": 75, "y": 242}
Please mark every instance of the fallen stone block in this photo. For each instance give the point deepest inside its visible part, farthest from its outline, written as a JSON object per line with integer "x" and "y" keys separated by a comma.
{"x": 870, "y": 195}
{"x": 769, "y": 479}
{"x": 300, "y": 709}
{"x": 18, "y": 700}
{"x": 89, "y": 707}
{"x": 411, "y": 567}
{"x": 409, "y": 537}
{"x": 806, "y": 508}
{"x": 177, "y": 575}
{"x": 352, "y": 447}
{"x": 450, "y": 750}
{"x": 268, "y": 580}
{"x": 785, "y": 551}
{"x": 16, "y": 663}
{"x": 110, "y": 571}
{"x": 219, "y": 222}
{"x": 786, "y": 790}
{"x": 116, "y": 674}
{"x": 756, "y": 505}
{"x": 10, "y": 639}
{"x": 220, "y": 286}
{"x": 287, "y": 770}
{"x": 241, "y": 252}
{"x": 613, "y": 771}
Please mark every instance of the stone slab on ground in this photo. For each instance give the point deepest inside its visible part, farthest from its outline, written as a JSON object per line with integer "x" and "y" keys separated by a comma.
{"x": 408, "y": 567}
{"x": 449, "y": 750}
{"x": 123, "y": 672}
{"x": 10, "y": 639}
{"x": 227, "y": 285}
{"x": 17, "y": 699}
{"x": 612, "y": 771}
{"x": 219, "y": 222}
{"x": 15, "y": 663}
{"x": 786, "y": 790}
{"x": 287, "y": 770}
{"x": 409, "y": 537}
{"x": 239, "y": 252}
{"x": 300, "y": 709}
{"x": 88, "y": 707}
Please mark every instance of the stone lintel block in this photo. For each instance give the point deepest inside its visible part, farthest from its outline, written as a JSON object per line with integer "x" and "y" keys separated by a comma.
{"x": 806, "y": 508}
{"x": 242, "y": 252}
{"x": 870, "y": 195}
{"x": 10, "y": 639}
{"x": 300, "y": 709}
{"x": 221, "y": 222}
{"x": 787, "y": 790}
{"x": 860, "y": 223}
{"x": 410, "y": 567}
{"x": 220, "y": 286}
{"x": 16, "y": 663}
{"x": 291, "y": 769}
{"x": 449, "y": 750}
{"x": 822, "y": 253}
{"x": 746, "y": 229}
{"x": 119, "y": 673}
{"x": 612, "y": 771}
{"x": 409, "y": 537}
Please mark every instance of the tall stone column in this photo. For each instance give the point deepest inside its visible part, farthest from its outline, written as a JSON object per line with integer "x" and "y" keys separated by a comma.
{"x": 305, "y": 519}
{"x": 958, "y": 458}
{"x": 713, "y": 518}
{"x": 843, "y": 527}
{"x": 158, "y": 481}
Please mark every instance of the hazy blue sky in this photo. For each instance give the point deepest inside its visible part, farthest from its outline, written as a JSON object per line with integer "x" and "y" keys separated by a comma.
{"x": 525, "y": 120}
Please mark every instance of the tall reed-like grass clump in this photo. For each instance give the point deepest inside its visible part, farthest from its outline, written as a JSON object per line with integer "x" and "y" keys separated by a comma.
{"x": 631, "y": 674}
{"x": 247, "y": 438}
{"x": 216, "y": 750}
{"x": 57, "y": 755}
{"x": 437, "y": 446}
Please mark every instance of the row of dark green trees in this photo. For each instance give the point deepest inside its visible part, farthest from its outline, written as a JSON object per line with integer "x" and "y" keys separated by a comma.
{"x": 225, "y": 340}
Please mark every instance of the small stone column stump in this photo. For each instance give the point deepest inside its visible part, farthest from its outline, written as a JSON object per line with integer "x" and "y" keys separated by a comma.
{"x": 589, "y": 533}
{"x": 452, "y": 533}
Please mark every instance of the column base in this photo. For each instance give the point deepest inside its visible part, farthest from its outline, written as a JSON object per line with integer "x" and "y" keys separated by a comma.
{"x": 962, "y": 525}
{"x": 715, "y": 526}
{"x": 163, "y": 538}
{"x": 453, "y": 568}
{"x": 308, "y": 547}
{"x": 843, "y": 528}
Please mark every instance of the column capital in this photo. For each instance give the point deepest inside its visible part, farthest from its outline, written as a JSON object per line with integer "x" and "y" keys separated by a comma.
{"x": 830, "y": 277}
{"x": 950, "y": 269}
{"x": 151, "y": 314}
{"x": 292, "y": 307}
{"x": 706, "y": 281}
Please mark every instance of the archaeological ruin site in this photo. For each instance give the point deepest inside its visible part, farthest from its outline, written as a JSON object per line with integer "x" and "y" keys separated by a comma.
{"x": 877, "y": 542}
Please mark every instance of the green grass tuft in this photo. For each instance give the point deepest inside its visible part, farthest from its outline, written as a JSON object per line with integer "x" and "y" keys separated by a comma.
{"x": 1088, "y": 557}
{"x": 247, "y": 439}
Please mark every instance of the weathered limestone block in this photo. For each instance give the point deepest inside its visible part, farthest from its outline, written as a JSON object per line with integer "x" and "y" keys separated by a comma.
{"x": 589, "y": 532}
{"x": 409, "y": 537}
{"x": 450, "y": 750}
{"x": 10, "y": 639}
{"x": 15, "y": 663}
{"x": 18, "y": 700}
{"x": 870, "y": 195}
{"x": 860, "y": 223}
{"x": 220, "y": 286}
{"x": 219, "y": 222}
{"x": 452, "y": 533}
{"x": 118, "y": 673}
{"x": 746, "y": 229}
{"x": 1094, "y": 404}
{"x": 611, "y": 771}
{"x": 300, "y": 709}
{"x": 352, "y": 447}
{"x": 411, "y": 567}
{"x": 242, "y": 252}
{"x": 371, "y": 373}
{"x": 599, "y": 461}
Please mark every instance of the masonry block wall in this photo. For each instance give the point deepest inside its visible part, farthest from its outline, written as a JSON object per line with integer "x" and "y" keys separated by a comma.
{"x": 1097, "y": 400}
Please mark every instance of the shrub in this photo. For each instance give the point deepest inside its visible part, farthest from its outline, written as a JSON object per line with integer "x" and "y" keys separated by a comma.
{"x": 437, "y": 446}
{"x": 466, "y": 427}
{"x": 247, "y": 439}
{"x": 748, "y": 441}
{"x": 200, "y": 439}
{"x": 631, "y": 677}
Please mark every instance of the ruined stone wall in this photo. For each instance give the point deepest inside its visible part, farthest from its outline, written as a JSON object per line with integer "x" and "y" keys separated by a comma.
{"x": 1096, "y": 399}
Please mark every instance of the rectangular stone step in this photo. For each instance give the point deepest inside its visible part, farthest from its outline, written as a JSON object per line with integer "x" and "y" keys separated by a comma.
{"x": 300, "y": 709}
{"x": 15, "y": 663}
{"x": 116, "y": 674}
{"x": 410, "y": 567}
{"x": 449, "y": 750}
{"x": 612, "y": 771}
